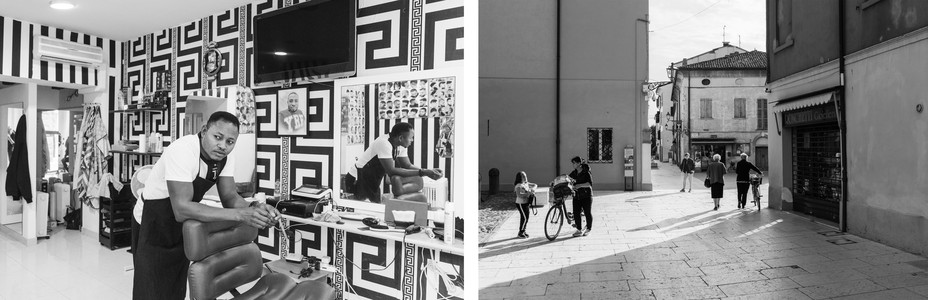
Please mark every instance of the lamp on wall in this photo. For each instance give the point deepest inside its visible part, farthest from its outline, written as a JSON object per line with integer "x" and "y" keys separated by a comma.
{"x": 671, "y": 71}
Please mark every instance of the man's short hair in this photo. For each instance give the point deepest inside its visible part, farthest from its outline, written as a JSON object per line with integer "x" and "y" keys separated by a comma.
{"x": 686, "y": 155}
{"x": 222, "y": 116}
{"x": 399, "y": 129}
{"x": 744, "y": 156}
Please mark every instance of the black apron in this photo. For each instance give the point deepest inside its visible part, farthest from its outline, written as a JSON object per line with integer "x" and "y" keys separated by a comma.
{"x": 160, "y": 263}
{"x": 369, "y": 178}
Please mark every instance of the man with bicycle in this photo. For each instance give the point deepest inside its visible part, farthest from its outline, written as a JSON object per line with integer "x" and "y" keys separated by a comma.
{"x": 743, "y": 169}
{"x": 583, "y": 196}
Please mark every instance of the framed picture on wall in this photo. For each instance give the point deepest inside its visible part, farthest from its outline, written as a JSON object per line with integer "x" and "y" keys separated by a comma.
{"x": 371, "y": 107}
{"x": 291, "y": 112}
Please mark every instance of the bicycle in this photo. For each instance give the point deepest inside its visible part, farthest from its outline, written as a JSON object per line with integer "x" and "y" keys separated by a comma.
{"x": 554, "y": 220}
{"x": 756, "y": 181}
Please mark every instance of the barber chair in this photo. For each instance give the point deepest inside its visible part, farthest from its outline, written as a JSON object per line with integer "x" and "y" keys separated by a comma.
{"x": 225, "y": 257}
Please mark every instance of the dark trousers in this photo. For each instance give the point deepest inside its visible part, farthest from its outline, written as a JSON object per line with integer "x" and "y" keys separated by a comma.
{"x": 135, "y": 235}
{"x": 583, "y": 200}
{"x": 159, "y": 259}
{"x": 523, "y": 216}
{"x": 743, "y": 193}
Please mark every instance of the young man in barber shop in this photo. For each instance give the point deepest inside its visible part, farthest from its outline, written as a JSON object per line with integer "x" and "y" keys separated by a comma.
{"x": 188, "y": 168}
{"x": 387, "y": 155}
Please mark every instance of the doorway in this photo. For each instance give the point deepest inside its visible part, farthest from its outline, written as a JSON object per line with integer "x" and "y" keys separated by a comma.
{"x": 760, "y": 158}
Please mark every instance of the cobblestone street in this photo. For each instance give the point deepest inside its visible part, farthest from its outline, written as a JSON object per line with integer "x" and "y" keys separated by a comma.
{"x": 664, "y": 244}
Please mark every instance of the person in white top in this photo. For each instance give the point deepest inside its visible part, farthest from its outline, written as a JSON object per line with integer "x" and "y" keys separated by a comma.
{"x": 387, "y": 155}
{"x": 188, "y": 168}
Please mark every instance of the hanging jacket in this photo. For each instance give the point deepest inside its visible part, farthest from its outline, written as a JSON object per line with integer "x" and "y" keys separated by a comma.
{"x": 18, "y": 181}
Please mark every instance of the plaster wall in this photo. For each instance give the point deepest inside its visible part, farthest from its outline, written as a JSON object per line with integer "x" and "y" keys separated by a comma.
{"x": 888, "y": 200}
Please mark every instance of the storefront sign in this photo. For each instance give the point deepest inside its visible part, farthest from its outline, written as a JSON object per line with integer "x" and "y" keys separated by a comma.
{"x": 812, "y": 115}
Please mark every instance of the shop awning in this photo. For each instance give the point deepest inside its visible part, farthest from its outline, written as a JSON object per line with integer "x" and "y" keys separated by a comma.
{"x": 712, "y": 140}
{"x": 803, "y": 102}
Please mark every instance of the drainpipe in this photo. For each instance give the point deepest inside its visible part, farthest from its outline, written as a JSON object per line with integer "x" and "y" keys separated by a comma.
{"x": 689, "y": 113}
{"x": 842, "y": 104}
{"x": 557, "y": 93}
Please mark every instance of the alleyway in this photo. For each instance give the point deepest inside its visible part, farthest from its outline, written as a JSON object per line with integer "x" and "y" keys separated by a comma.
{"x": 665, "y": 244}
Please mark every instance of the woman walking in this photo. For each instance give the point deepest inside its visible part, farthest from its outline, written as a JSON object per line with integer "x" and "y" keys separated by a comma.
{"x": 743, "y": 169}
{"x": 583, "y": 197}
{"x": 716, "y": 182}
{"x": 524, "y": 190}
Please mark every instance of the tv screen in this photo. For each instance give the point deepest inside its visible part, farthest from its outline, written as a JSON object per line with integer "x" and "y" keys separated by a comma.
{"x": 309, "y": 41}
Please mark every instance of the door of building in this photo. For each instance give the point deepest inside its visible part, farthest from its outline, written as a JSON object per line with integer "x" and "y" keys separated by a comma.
{"x": 817, "y": 170}
{"x": 760, "y": 158}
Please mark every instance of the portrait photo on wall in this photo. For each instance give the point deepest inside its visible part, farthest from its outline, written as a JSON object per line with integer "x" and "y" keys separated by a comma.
{"x": 353, "y": 127}
{"x": 422, "y": 98}
{"x": 405, "y": 120}
{"x": 245, "y": 109}
{"x": 291, "y": 112}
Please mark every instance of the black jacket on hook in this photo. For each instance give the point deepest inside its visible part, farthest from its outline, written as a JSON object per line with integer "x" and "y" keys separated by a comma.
{"x": 18, "y": 182}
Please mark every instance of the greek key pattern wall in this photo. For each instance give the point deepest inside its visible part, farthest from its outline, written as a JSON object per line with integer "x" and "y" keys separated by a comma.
{"x": 376, "y": 268}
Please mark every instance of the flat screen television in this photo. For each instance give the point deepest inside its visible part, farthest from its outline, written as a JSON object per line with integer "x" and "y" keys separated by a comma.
{"x": 310, "y": 41}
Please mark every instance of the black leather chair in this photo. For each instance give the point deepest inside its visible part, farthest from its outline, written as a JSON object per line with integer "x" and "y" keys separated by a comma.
{"x": 225, "y": 257}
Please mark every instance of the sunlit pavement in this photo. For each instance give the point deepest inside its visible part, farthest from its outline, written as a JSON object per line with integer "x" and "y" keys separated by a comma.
{"x": 665, "y": 244}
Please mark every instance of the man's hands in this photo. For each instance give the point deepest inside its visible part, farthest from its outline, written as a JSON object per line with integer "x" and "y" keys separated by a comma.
{"x": 259, "y": 215}
{"x": 435, "y": 174}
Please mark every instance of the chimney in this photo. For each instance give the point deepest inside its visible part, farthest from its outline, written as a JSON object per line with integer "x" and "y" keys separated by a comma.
{"x": 724, "y": 44}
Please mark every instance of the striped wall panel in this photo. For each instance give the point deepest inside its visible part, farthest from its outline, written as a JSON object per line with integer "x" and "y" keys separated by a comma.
{"x": 17, "y": 41}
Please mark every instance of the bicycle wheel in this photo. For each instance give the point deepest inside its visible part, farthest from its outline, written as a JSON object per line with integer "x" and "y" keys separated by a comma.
{"x": 554, "y": 221}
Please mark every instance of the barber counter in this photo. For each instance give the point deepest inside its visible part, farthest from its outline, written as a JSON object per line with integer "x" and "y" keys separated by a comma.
{"x": 385, "y": 266}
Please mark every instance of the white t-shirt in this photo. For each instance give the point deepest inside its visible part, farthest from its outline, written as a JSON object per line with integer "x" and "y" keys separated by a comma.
{"x": 380, "y": 148}
{"x": 179, "y": 162}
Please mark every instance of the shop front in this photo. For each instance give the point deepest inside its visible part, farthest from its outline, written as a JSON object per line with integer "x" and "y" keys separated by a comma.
{"x": 814, "y": 156}
{"x": 704, "y": 148}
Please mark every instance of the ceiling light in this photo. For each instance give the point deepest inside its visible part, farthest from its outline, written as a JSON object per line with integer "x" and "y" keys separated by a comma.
{"x": 61, "y": 5}
{"x": 281, "y": 53}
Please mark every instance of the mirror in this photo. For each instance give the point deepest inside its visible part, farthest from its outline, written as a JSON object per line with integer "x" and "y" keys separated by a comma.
{"x": 369, "y": 108}
{"x": 11, "y": 211}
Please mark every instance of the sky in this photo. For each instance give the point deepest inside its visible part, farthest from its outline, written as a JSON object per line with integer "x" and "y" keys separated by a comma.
{"x": 686, "y": 28}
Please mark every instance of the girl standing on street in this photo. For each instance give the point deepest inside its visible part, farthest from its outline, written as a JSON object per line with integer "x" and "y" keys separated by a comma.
{"x": 524, "y": 190}
{"x": 716, "y": 181}
{"x": 583, "y": 197}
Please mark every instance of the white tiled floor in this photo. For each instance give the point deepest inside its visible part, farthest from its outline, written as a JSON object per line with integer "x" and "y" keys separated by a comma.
{"x": 70, "y": 265}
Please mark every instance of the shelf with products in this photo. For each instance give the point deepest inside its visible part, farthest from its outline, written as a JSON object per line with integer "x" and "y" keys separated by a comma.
{"x": 137, "y": 153}
{"x": 115, "y": 223}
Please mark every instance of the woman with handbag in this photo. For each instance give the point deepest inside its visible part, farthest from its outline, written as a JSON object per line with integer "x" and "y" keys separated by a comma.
{"x": 525, "y": 194}
{"x": 715, "y": 180}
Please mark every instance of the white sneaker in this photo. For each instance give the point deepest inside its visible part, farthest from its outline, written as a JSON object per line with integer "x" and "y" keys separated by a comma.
{"x": 586, "y": 232}
{"x": 578, "y": 233}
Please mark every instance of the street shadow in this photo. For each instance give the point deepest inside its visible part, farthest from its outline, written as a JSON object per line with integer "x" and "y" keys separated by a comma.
{"x": 698, "y": 261}
{"x": 524, "y": 245}
{"x": 667, "y": 222}
{"x": 650, "y": 196}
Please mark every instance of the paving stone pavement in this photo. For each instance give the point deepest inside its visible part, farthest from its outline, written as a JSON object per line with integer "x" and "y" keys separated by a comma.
{"x": 664, "y": 244}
